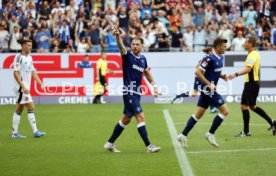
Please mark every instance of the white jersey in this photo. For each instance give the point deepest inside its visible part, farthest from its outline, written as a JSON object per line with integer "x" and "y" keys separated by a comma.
{"x": 24, "y": 65}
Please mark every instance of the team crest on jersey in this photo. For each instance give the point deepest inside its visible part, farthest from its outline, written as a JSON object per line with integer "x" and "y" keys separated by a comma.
{"x": 26, "y": 98}
{"x": 204, "y": 63}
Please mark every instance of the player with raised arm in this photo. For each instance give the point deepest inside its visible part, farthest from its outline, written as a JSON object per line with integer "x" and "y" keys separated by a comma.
{"x": 209, "y": 72}
{"x": 134, "y": 66}
{"x": 23, "y": 72}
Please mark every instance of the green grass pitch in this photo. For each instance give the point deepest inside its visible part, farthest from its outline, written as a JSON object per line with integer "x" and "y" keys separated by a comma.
{"x": 75, "y": 135}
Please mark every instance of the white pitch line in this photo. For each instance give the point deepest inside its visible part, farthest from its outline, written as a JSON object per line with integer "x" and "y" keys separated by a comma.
{"x": 232, "y": 124}
{"x": 231, "y": 151}
{"x": 181, "y": 156}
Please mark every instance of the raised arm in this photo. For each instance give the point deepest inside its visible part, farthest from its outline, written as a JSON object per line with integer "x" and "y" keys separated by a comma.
{"x": 120, "y": 44}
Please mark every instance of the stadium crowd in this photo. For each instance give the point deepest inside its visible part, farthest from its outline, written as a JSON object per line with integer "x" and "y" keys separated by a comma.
{"x": 165, "y": 25}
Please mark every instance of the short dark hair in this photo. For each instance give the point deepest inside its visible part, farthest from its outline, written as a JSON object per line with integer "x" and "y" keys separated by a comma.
{"x": 25, "y": 41}
{"x": 138, "y": 38}
{"x": 207, "y": 50}
{"x": 252, "y": 40}
{"x": 218, "y": 41}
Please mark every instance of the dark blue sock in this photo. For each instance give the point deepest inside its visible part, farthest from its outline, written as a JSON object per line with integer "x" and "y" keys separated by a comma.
{"x": 143, "y": 133}
{"x": 216, "y": 123}
{"x": 119, "y": 127}
{"x": 190, "y": 124}
{"x": 186, "y": 94}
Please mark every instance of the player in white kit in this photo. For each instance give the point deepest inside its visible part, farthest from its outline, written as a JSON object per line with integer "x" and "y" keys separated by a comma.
{"x": 23, "y": 72}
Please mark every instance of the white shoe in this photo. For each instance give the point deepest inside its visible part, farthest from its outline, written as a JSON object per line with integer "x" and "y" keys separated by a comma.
{"x": 211, "y": 138}
{"x": 111, "y": 147}
{"x": 153, "y": 149}
{"x": 183, "y": 140}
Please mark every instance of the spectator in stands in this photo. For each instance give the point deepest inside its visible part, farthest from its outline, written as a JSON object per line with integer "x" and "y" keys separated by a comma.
{"x": 146, "y": 8}
{"x": 249, "y": 16}
{"x": 64, "y": 34}
{"x": 199, "y": 18}
{"x": 149, "y": 37}
{"x": 234, "y": 15}
{"x": 147, "y": 20}
{"x": 199, "y": 39}
{"x": 250, "y": 31}
{"x": 239, "y": 26}
{"x": 44, "y": 12}
{"x": 208, "y": 11}
{"x": 175, "y": 19}
{"x": 170, "y": 5}
{"x": 13, "y": 22}
{"x": 55, "y": 47}
{"x": 109, "y": 40}
{"x": 72, "y": 8}
{"x": 15, "y": 40}
{"x": 159, "y": 5}
{"x": 42, "y": 39}
{"x": 79, "y": 27}
{"x": 177, "y": 40}
{"x": 187, "y": 17}
{"x": 70, "y": 48}
{"x": 82, "y": 44}
{"x": 162, "y": 40}
{"x": 30, "y": 9}
{"x": 161, "y": 17}
{"x": 227, "y": 33}
{"x": 188, "y": 39}
{"x": 264, "y": 12}
{"x": 4, "y": 39}
{"x": 94, "y": 38}
{"x": 57, "y": 8}
{"x": 273, "y": 36}
{"x": 211, "y": 33}
{"x": 122, "y": 16}
{"x": 238, "y": 42}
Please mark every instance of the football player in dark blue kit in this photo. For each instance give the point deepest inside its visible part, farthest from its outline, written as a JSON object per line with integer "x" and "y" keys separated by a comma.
{"x": 209, "y": 72}
{"x": 134, "y": 66}
{"x": 197, "y": 83}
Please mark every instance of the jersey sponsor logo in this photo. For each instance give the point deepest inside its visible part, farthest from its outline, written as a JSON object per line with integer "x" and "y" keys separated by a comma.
{"x": 136, "y": 67}
{"x": 204, "y": 63}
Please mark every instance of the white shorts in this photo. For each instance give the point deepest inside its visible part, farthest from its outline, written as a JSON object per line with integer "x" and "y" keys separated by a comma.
{"x": 23, "y": 98}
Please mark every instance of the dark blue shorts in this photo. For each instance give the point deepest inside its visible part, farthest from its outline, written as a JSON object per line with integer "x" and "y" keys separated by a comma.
{"x": 205, "y": 100}
{"x": 197, "y": 83}
{"x": 132, "y": 105}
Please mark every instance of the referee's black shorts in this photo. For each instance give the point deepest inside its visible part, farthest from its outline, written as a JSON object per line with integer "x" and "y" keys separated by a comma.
{"x": 103, "y": 81}
{"x": 250, "y": 93}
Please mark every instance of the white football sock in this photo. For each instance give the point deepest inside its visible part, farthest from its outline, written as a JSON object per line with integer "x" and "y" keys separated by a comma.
{"x": 32, "y": 121}
{"x": 15, "y": 122}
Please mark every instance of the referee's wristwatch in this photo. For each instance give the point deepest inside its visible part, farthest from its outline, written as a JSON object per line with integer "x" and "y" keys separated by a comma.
{"x": 236, "y": 74}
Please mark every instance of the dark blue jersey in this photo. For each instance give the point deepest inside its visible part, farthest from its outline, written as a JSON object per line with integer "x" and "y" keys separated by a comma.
{"x": 133, "y": 69}
{"x": 84, "y": 64}
{"x": 212, "y": 66}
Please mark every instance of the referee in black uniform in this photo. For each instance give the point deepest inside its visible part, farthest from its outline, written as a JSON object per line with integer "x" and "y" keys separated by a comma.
{"x": 251, "y": 87}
